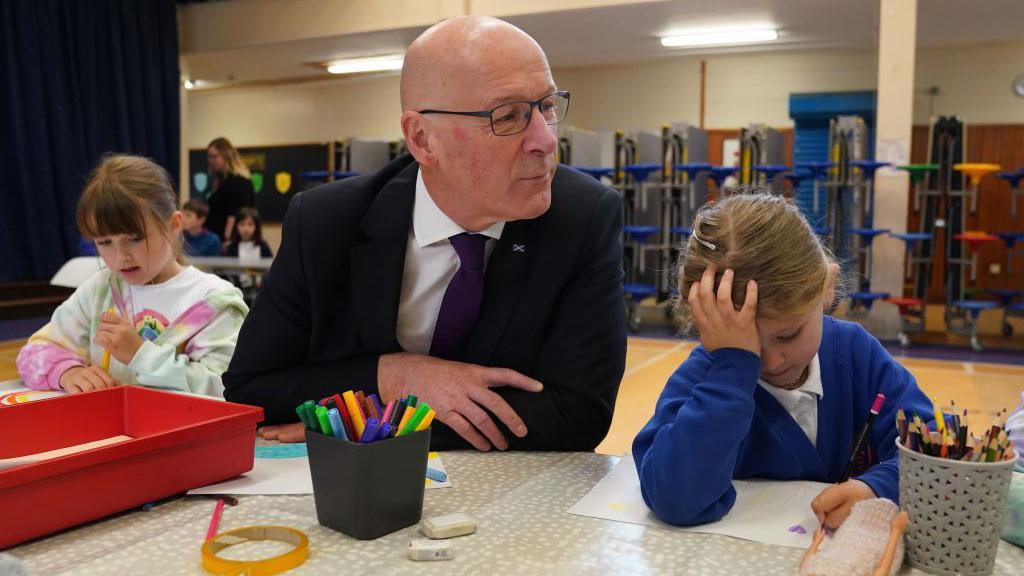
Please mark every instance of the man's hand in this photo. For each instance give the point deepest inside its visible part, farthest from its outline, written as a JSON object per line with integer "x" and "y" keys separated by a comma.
{"x": 458, "y": 392}
{"x": 284, "y": 432}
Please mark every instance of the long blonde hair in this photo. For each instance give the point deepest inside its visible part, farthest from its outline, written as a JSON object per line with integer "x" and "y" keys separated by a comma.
{"x": 120, "y": 191}
{"x": 763, "y": 237}
{"x": 231, "y": 156}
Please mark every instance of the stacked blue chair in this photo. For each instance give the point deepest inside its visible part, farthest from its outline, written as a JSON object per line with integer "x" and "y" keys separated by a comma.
{"x": 868, "y": 168}
{"x": 720, "y": 173}
{"x": 636, "y": 292}
{"x": 770, "y": 171}
{"x": 1006, "y": 302}
{"x": 818, "y": 172}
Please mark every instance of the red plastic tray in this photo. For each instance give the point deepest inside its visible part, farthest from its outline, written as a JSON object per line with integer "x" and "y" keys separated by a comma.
{"x": 179, "y": 442}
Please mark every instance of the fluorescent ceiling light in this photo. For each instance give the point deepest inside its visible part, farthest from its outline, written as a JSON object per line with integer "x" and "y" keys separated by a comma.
{"x": 374, "y": 64}
{"x": 720, "y": 38}
{"x": 189, "y": 84}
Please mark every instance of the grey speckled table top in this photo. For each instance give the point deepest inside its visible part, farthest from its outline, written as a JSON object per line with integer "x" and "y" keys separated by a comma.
{"x": 519, "y": 501}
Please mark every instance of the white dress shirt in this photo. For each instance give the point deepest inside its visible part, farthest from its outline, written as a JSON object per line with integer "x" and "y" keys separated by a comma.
{"x": 802, "y": 403}
{"x": 430, "y": 264}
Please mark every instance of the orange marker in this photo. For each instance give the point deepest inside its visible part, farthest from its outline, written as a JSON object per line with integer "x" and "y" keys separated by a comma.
{"x": 409, "y": 410}
{"x": 355, "y": 414}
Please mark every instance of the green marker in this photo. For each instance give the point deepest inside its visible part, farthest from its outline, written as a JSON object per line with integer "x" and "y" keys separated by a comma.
{"x": 415, "y": 419}
{"x": 325, "y": 422}
{"x": 306, "y": 414}
{"x": 410, "y": 400}
{"x": 301, "y": 411}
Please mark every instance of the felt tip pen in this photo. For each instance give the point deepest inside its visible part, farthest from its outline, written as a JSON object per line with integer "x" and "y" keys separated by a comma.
{"x": 436, "y": 475}
{"x": 339, "y": 427}
{"x": 415, "y": 419}
{"x": 309, "y": 408}
{"x": 301, "y": 411}
{"x": 425, "y": 423}
{"x": 375, "y": 405}
{"x": 875, "y": 408}
{"x": 409, "y": 411}
{"x": 356, "y": 414}
{"x": 386, "y": 416}
{"x": 325, "y": 422}
{"x": 370, "y": 431}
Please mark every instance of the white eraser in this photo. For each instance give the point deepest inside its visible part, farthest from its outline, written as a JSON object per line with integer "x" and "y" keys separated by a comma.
{"x": 448, "y": 526}
{"x": 420, "y": 550}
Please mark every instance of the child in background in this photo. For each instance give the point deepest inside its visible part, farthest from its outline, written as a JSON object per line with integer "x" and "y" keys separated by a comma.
{"x": 777, "y": 389}
{"x": 147, "y": 318}
{"x": 247, "y": 241}
{"x": 198, "y": 240}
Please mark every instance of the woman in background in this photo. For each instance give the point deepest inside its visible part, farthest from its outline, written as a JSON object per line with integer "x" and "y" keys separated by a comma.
{"x": 232, "y": 187}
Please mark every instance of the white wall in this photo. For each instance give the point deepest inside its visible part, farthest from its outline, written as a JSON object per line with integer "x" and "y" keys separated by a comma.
{"x": 974, "y": 83}
{"x": 364, "y": 107}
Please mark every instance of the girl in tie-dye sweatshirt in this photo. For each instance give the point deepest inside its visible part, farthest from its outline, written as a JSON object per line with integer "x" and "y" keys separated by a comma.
{"x": 147, "y": 318}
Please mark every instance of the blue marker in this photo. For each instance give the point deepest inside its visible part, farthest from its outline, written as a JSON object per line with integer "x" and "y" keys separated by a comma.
{"x": 370, "y": 431}
{"x": 436, "y": 475}
{"x": 385, "y": 431}
{"x": 339, "y": 428}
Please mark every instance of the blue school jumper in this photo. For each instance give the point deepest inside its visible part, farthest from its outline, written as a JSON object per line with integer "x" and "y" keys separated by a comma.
{"x": 714, "y": 423}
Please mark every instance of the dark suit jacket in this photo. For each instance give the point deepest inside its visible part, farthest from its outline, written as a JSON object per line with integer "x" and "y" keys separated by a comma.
{"x": 552, "y": 306}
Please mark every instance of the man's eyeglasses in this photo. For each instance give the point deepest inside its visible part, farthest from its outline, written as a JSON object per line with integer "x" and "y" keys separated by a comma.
{"x": 512, "y": 118}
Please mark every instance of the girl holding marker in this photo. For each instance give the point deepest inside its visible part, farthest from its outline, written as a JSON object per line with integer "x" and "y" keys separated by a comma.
{"x": 777, "y": 389}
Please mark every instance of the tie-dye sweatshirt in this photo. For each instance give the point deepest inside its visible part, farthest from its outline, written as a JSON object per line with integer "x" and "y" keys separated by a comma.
{"x": 187, "y": 353}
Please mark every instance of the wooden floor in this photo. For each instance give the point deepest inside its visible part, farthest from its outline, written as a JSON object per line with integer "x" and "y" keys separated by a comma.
{"x": 983, "y": 389}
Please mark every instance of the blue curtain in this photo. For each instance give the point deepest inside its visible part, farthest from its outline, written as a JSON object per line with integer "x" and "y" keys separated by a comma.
{"x": 79, "y": 78}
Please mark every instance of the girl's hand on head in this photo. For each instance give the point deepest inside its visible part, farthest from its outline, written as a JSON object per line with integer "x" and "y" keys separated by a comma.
{"x": 86, "y": 379}
{"x": 833, "y": 505}
{"x": 720, "y": 324}
{"x": 117, "y": 336}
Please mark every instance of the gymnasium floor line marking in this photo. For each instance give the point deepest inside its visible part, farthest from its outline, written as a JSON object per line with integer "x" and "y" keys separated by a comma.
{"x": 654, "y": 359}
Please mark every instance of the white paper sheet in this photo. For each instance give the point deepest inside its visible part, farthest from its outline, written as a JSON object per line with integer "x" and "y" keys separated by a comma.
{"x": 288, "y": 475}
{"x": 268, "y": 476}
{"x": 765, "y": 511}
{"x": 14, "y": 392}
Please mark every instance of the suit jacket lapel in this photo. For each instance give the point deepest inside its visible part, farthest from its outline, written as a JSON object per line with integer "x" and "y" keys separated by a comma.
{"x": 508, "y": 272}
{"x": 378, "y": 264}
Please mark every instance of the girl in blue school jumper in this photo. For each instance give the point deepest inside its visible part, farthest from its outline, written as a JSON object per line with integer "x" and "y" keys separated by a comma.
{"x": 776, "y": 389}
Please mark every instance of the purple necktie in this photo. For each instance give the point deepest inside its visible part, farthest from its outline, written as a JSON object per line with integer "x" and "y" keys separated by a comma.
{"x": 461, "y": 304}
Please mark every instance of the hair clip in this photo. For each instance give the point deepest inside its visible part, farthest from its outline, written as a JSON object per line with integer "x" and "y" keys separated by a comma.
{"x": 709, "y": 245}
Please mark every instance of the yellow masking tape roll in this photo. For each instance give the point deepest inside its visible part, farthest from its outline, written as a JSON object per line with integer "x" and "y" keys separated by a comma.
{"x": 214, "y": 564}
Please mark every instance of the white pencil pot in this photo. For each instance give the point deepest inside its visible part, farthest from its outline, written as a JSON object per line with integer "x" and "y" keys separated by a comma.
{"x": 956, "y": 511}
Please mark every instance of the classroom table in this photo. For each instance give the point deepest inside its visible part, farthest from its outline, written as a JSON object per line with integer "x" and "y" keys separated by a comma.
{"x": 229, "y": 263}
{"x": 518, "y": 499}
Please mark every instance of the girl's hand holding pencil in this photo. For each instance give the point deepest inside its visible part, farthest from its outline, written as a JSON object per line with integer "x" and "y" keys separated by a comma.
{"x": 834, "y": 503}
{"x": 117, "y": 335}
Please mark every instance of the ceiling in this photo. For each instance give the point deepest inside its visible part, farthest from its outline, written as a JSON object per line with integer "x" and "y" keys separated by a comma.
{"x": 625, "y": 33}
